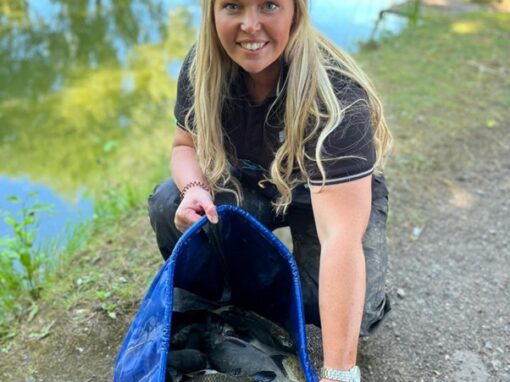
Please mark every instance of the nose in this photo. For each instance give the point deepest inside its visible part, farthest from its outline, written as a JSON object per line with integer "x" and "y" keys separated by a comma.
{"x": 250, "y": 22}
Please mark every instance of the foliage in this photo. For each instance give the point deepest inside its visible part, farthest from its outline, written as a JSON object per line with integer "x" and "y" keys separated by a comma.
{"x": 21, "y": 263}
{"x": 411, "y": 10}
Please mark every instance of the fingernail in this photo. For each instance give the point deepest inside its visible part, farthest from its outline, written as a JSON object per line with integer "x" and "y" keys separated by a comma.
{"x": 214, "y": 220}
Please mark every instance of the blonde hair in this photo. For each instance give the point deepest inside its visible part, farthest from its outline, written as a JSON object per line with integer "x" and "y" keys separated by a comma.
{"x": 311, "y": 105}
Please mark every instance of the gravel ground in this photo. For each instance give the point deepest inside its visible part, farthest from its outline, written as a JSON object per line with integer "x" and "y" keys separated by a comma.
{"x": 450, "y": 287}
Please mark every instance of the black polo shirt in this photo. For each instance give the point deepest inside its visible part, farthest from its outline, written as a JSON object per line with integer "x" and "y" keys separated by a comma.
{"x": 254, "y": 132}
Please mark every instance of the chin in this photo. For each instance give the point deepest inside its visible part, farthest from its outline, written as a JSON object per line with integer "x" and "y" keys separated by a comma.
{"x": 251, "y": 70}
{"x": 254, "y": 69}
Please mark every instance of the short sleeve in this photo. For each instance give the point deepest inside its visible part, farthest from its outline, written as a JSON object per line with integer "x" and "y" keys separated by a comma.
{"x": 184, "y": 99}
{"x": 348, "y": 152}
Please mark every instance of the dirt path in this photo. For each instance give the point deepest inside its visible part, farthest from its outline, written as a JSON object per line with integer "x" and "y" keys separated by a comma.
{"x": 451, "y": 319}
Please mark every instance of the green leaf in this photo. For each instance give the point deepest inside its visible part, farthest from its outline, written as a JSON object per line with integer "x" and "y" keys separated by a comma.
{"x": 25, "y": 259}
{"x": 11, "y": 221}
{"x": 109, "y": 146}
{"x": 40, "y": 207}
{"x": 112, "y": 315}
{"x": 110, "y": 310}
{"x": 491, "y": 123}
{"x": 29, "y": 220}
{"x": 103, "y": 295}
{"x": 13, "y": 199}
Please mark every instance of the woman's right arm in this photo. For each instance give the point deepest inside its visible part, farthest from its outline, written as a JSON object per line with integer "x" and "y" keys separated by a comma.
{"x": 185, "y": 169}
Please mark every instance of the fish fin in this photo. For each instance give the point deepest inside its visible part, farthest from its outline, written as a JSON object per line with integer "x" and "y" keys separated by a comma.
{"x": 237, "y": 341}
{"x": 278, "y": 360}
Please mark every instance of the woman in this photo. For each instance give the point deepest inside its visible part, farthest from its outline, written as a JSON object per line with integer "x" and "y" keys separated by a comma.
{"x": 273, "y": 116}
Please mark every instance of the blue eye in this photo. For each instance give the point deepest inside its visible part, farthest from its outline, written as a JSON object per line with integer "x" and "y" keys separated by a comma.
{"x": 231, "y": 7}
{"x": 270, "y": 6}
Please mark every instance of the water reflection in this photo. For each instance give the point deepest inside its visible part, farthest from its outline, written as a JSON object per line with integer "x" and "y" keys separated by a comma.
{"x": 85, "y": 98}
{"x": 81, "y": 92}
{"x": 350, "y": 22}
{"x": 87, "y": 87}
{"x": 67, "y": 212}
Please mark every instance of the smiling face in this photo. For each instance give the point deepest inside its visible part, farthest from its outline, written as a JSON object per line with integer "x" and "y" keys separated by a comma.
{"x": 254, "y": 33}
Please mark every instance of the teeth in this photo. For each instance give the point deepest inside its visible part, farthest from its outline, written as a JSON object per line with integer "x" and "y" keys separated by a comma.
{"x": 253, "y": 46}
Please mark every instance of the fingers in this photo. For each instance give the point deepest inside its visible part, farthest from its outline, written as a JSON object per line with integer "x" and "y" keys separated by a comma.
{"x": 212, "y": 214}
{"x": 185, "y": 217}
{"x": 189, "y": 211}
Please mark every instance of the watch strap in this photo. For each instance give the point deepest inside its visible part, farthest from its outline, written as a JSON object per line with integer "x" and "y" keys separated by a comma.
{"x": 351, "y": 375}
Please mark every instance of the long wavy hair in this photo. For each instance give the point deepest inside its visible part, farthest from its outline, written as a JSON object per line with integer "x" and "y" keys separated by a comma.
{"x": 311, "y": 106}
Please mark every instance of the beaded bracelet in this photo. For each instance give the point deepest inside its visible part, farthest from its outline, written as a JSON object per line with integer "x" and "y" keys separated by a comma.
{"x": 195, "y": 183}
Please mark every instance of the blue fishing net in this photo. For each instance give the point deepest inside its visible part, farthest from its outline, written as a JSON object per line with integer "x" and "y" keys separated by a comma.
{"x": 237, "y": 262}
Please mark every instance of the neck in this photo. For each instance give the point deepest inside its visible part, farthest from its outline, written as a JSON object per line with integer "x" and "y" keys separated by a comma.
{"x": 259, "y": 85}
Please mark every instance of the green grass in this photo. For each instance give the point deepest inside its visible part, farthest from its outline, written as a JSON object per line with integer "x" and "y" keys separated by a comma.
{"x": 445, "y": 86}
{"x": 63, "y": 268}
{"x": 111, "y": 267}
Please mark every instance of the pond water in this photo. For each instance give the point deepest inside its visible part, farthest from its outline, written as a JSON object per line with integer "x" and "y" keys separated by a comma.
{"x": 87, "y": 88}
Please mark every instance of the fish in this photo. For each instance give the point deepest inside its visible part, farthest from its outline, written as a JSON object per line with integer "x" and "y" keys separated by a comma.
{"x": 291, "y": 366}
{"x": 231, "y": 354}
{"x": 260, "y": 328}
{"x": 213, "y": 376}
{"x": 188, "y": 337}
{"x": 186, "y": 301}
{"x": 227, "y": 343}
{"x": 258, "y": 333}
{"x": 187, "y": 360}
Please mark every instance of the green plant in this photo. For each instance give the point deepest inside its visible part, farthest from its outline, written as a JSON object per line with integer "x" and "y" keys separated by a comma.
{"x": 20, "y": 261}
{"x": 414, "y": 11}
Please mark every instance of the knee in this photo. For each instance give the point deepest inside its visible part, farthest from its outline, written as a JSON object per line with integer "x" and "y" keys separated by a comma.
{"x": 164, "y": 201}
{"x": 374, "y": 315}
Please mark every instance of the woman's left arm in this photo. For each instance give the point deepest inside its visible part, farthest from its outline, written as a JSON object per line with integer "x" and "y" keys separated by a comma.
{"x": 341, "y": 215}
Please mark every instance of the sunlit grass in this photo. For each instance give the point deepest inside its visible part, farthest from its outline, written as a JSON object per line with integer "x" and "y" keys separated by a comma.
{"x": 443, "y": 91}
{"x": 466, "y": 27}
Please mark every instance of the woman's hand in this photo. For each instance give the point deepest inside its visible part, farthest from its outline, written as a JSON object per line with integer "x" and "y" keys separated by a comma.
{"x": 195, "y": 204}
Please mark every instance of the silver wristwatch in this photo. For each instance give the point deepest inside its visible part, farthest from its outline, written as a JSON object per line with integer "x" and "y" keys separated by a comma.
{"x": 352, "y": 375}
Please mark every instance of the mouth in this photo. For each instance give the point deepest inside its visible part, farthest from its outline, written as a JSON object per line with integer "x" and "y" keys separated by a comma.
{"x": 253, "y": 46}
